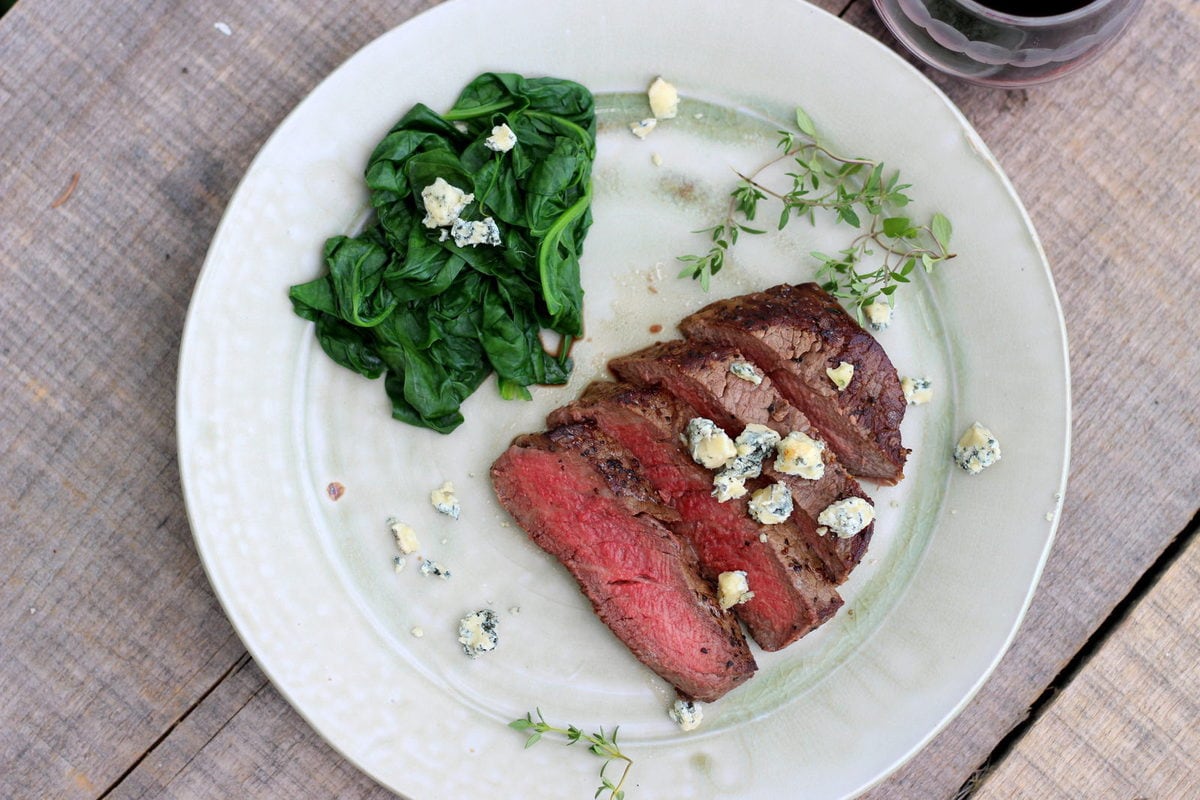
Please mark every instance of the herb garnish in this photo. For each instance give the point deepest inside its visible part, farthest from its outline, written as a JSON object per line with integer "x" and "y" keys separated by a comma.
{"x": 600, "y": 744}
{"x": 853, "y": 190}
{"x": 438, "y": 315}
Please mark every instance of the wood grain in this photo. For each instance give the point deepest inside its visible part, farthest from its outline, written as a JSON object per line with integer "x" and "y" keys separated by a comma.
{"x": 243, "y": 740}
{"x": 1099, "y": 160}
{"x": 110, "y": 631}
{"x": 1146, "y": 744}
{"x": 120, "y": 676}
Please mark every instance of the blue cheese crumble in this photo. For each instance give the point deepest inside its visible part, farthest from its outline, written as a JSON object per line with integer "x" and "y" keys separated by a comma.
{"x": 733, "y": 589}
{"x": 502, "y": 139}
{"x": 977, "y": 450}
{"x": 404, "y": 536}
{"x": 710, "y": 446}
{"x": 752, "y": 446}
{"x": 687, "y": 714}
{"x": 445, "y": 501}
{"x": 917, "y": 391}
{"x": 477, "y": 632}
{"x": 475, "y": 232}
{"x": 847, "y": 517}
{"x": 841, "y": 375}
{"x": 443, "y": 203}
{"x": 771, "y": 505}
{"x": 746, "y": 371}
{"x": 878, "y": 314}
{"x": 433, "y": 569}
{"x": 664, "y": 99}
{"x": 727, "y": 486}
{"x": 800, "y": 454}
{"x": 643, "y": 128}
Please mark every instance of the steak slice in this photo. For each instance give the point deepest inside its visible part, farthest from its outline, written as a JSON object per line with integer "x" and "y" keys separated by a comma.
{"x": 641, "y": 579}
{"x": 794, "y": 333}
{"x": 705, "y": 377}
{"x": 618, "y": 468}
{"x": 791, "y": 592}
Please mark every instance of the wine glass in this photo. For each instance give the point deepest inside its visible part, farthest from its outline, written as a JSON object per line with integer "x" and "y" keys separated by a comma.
{"x": 1007, "y": 43}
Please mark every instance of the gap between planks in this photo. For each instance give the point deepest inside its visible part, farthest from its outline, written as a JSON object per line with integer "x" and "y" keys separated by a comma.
{"x": 1144, "y": 586}
{"x": 239, "y": 663}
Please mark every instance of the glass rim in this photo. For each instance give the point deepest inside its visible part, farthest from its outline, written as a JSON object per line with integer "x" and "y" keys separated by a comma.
{"x": 1034, "y": 22}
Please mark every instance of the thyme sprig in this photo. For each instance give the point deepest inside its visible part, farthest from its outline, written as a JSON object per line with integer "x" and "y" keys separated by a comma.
{"x": 600, "y": 744}
{"x": 859, "y": 192}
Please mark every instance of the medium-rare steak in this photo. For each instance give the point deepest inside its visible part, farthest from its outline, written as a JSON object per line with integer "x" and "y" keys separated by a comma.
{"x": 792, "y": 595}
{"x": 641, "y": 579}
{"x": 795, "y": 333}
{"x": 616, "y": 465}
{"x": 714, "y": 380}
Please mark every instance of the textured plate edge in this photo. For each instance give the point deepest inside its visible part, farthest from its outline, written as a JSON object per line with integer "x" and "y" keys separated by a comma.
{"x": 978, "y": 145}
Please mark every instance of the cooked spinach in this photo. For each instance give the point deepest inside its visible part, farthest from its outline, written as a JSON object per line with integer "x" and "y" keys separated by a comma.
{"x": 404, "y": 300}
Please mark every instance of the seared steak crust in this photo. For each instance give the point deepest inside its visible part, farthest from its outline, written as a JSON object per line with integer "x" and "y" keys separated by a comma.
{"x": 794, "y": 333}
{"x": 616, "y": 465}
{"x": 612, "y": 490}
{"x": 701, "y": 374}
{"x": 640, "y": 578}
{"x": 792, "y": 594}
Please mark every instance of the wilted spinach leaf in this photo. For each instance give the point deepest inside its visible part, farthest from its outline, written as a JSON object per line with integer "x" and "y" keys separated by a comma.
{"x": 404, "y": 299}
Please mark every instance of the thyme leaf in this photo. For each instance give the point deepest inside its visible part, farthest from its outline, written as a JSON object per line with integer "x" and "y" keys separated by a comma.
{"x": 601, "y": 744}
{"x": 858, "y": 192}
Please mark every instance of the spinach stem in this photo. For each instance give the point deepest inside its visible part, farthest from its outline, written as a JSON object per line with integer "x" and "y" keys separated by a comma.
{"x": 550, "y": 243}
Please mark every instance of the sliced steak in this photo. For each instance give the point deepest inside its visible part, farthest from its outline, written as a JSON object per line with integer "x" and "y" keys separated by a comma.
{"x": 795, "y": 333}
{"x": 641, "y": 579}
{"x": 707, "y": 378}
{"x": 792, "y": 595}
{"x": 616, "y": 465}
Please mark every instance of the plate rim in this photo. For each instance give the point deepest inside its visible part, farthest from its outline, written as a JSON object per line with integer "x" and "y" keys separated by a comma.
{"x": 184, "y": 443}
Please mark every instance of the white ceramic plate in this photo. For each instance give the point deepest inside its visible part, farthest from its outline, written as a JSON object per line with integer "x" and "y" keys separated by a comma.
{"x": 266, "y": 423}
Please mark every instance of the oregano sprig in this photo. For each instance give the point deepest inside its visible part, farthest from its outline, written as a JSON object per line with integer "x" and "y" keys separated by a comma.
{"x": 599, "y": 744}
{"x": 858, "y": 192}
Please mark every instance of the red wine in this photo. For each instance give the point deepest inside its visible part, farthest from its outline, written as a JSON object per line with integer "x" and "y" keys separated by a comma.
{"x": 1034, "y": 8}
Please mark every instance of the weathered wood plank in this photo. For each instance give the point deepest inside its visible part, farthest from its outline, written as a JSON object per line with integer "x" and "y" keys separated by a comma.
{"x": 243, "y": 740}
{"x": 1126, "y": 726}
{"x": 110, "y": 630}
{"x": 1100, "y": 160}
{"x": 159, "y": 113}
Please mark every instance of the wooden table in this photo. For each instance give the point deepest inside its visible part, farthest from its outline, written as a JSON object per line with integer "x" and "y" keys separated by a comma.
{"x": 126, "y": 129}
